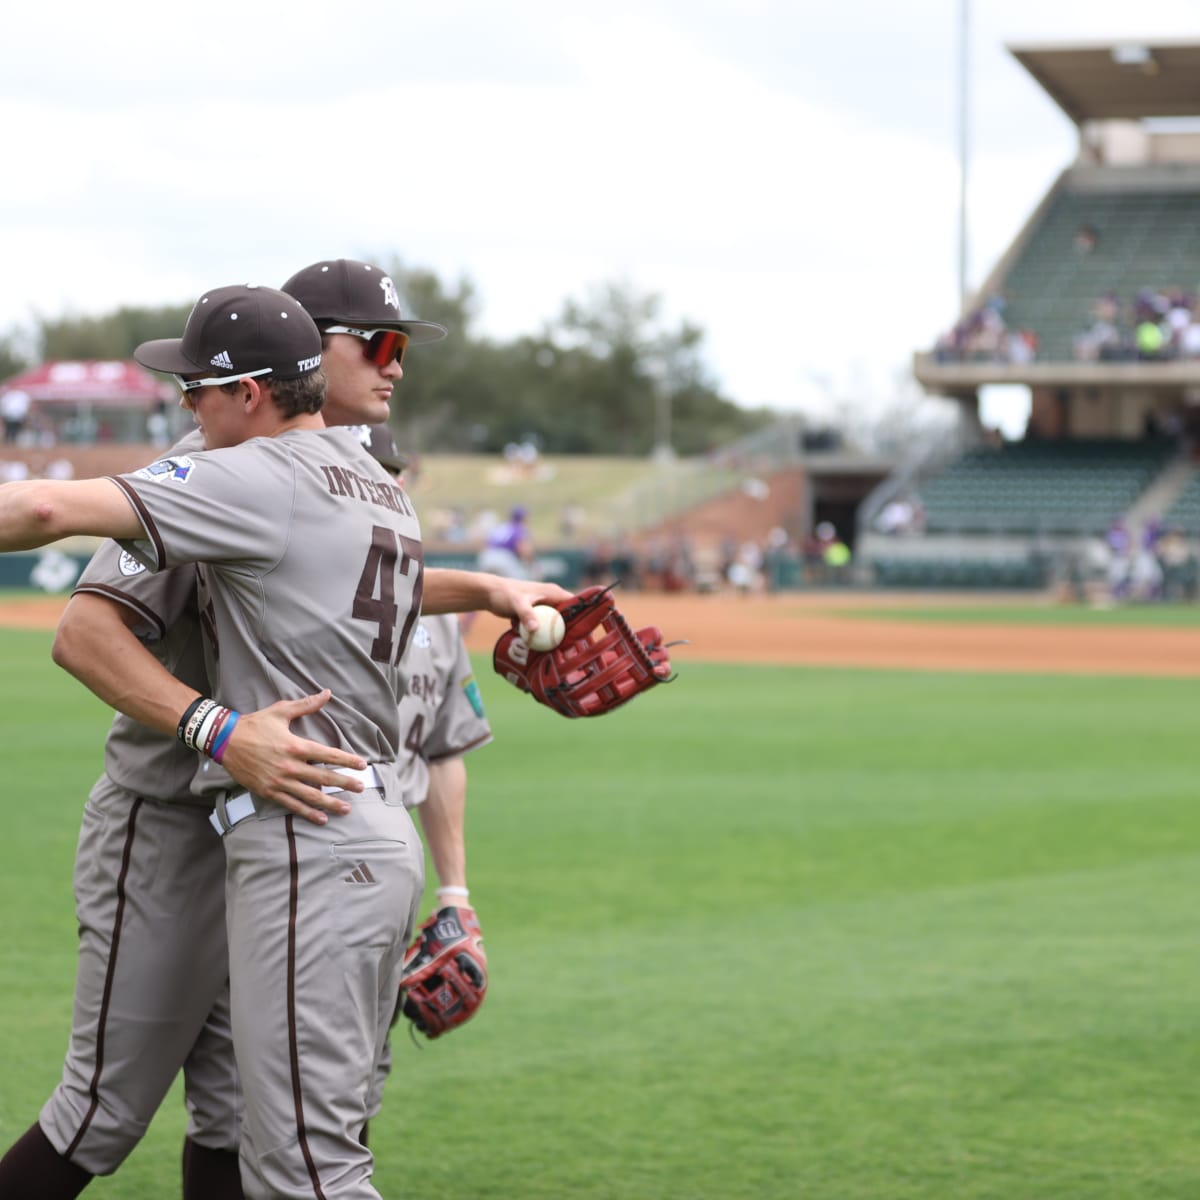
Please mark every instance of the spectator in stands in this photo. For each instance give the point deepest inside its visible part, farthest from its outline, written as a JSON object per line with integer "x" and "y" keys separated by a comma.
{"x": 624, "y": 564}
{"x": 1189, "y": 335}
{"x": 896, "y": 517}
{"x": 1022, "y": 346}
{"x": 1178, "y": 317}
{"x": 1102, "y": 341}
{"x": 158, "y": 427}
{"x": 14, "y": 410}
{"x": 680, "y": 568}
{"x": 1178, "y": 566}
{"x": 745, "y": 572}
{"x": 1120, "y": 548}
{"x": 837, "y": 560}
{"x": 14, "y": 471}
{"x": 597, "y": 564}
{"x": 1145, "y": 570}
{"x": 1150, "y": 340}
{"x": 571, "y": 521}
{"x": 782, "y": 559}
{"x": 1086, "y": 239}
{"x": 813, "y": 554}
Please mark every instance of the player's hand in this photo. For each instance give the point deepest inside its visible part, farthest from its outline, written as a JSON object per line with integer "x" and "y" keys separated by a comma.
{"x": 515, "y": 598}
{"x": 266, "y": 758}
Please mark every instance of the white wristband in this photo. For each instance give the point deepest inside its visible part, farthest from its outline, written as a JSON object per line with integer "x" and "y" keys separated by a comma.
{"x": 452, "y": 891}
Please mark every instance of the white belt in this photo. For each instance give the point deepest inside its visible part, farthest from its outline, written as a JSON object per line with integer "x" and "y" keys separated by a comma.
{"x": 240, "y": 805}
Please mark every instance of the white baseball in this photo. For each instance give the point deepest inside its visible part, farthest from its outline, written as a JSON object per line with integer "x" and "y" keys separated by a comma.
{"x": 550, "y": 630}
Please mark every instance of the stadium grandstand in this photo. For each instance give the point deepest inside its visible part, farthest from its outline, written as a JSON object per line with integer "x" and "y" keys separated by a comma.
{"x": 1095, "y": 308}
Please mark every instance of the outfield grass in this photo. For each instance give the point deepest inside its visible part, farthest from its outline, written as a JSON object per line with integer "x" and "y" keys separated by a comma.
{"x": 1168, "y": 616}
{"x": 770, "y": 933}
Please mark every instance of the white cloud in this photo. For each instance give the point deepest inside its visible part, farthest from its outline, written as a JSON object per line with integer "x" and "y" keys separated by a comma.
{"x": 783, "y": 174}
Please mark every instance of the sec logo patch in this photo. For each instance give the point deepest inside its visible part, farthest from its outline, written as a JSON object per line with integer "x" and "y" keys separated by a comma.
{"x": 167, "y": 470}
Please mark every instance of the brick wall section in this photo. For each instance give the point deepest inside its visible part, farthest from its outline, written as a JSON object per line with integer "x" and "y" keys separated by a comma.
{"x": 90, "y": 462}
{"x": 740, "y": 515}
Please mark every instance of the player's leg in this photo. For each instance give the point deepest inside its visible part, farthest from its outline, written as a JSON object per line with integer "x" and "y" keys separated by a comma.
{"x": 213, "y": 1096}
{"x": 33, "y": 1169}
{"x": 319, "y": 918}
{"x": 152, "y": 958}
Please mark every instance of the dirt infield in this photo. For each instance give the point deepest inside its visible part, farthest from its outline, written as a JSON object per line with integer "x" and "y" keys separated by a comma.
{"x": 808, "y": 629}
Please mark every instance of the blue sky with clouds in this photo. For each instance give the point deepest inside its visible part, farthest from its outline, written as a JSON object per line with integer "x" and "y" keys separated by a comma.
{"x": 784, "y": 174}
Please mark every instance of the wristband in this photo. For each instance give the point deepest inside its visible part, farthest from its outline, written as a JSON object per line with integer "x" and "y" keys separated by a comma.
{"x": 452, "y": 891}
{"x": 188, "y": 713}
{"x": 221, "y": 740}
{"x": 197, "y": 715}
{"x": 205, "y": 727}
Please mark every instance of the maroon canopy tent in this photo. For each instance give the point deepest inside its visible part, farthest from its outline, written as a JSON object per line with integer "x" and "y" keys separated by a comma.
{"x": 92, "y": 399}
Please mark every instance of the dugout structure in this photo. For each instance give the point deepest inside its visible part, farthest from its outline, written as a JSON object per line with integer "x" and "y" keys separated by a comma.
{"x": 1111, "y": 249}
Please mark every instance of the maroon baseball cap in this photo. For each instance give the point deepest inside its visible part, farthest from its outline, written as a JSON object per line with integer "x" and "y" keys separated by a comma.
{"x": 342, "y": 291}
{"x": 241, "y": 330}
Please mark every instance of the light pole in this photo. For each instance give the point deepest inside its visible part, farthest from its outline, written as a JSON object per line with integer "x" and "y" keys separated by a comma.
{"x": 964, "y": 7}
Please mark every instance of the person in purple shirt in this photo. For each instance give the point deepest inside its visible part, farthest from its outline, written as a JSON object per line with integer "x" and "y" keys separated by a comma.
{"x": 509, "y": 547}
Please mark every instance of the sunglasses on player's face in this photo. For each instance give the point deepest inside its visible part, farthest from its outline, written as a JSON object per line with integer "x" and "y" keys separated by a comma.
{"x": 382, "y": 345}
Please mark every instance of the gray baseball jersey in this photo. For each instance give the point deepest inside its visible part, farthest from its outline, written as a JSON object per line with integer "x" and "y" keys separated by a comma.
{"x": 311, "y": 574}
{"x": 311, "y": 577}
{"x": 151, "y": 990}
{"x": 441, "y": 712}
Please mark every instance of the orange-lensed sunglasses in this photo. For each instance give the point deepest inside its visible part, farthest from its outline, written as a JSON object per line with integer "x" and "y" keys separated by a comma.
{"x": 382, "y": 345}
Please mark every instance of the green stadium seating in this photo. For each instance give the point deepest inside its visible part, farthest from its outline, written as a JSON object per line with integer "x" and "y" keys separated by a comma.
{"x": 1146, "y": 239}
{"x": 1064, "y": 487}
{"x": 1185, "y": 512}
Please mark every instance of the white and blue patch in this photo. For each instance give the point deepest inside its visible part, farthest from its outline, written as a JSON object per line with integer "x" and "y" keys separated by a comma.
{"x": 168, "y": 470}
{"x": 421, "y": 638}
{"x": 128, "y": 565}
{"x": 471, "y": 689}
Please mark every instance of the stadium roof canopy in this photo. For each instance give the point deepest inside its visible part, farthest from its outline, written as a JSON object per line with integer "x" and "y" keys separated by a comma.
{"x": 1133, "y": 80}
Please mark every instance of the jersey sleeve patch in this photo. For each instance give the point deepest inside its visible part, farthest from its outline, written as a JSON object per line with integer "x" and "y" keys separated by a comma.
{"x": 471, "y": 688}
{"x": 128, "y": 565}
{"x": 168, "y": 470}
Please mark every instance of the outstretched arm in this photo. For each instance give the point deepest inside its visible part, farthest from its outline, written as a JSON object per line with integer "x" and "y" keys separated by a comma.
{"x": 95, "y": 643}
{"x": 38, "y": 511}
{"x": 452, "y": 591}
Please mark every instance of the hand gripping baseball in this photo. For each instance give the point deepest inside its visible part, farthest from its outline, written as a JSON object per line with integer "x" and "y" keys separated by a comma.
{"x": 600, "y": 663}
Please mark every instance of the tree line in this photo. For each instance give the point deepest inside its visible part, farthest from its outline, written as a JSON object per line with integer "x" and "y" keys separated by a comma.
{"x": 596, "y": 379}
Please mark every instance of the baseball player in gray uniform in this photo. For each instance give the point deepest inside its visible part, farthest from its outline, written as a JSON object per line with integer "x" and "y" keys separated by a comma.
{"x": 219, "y": 508}
{"x": 441, "y": 720}
{"x": 151, "y": 994}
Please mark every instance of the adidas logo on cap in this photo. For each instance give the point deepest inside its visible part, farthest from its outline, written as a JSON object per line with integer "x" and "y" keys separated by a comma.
{"x": 222, "y": 360}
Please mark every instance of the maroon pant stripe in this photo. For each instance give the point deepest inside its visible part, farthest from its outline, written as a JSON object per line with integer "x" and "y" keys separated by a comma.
{"x": 293, "y": 1037}
{"x": 115, "y": 943}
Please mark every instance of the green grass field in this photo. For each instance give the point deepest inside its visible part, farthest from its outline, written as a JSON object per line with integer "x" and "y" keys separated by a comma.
{"x": 772, "y": 933}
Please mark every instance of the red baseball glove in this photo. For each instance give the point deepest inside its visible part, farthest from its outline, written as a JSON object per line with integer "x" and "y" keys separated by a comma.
{"x": 600, "y": 664}
{"x": 445, "y": 972}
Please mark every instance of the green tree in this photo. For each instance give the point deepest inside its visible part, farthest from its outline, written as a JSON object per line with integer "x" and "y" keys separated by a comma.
{"x": 13, "y": 358}
{"x": 109, "y": 336}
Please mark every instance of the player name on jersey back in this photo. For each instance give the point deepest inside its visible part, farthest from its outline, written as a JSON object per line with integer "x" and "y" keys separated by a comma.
{"x": 344, "y": 482}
